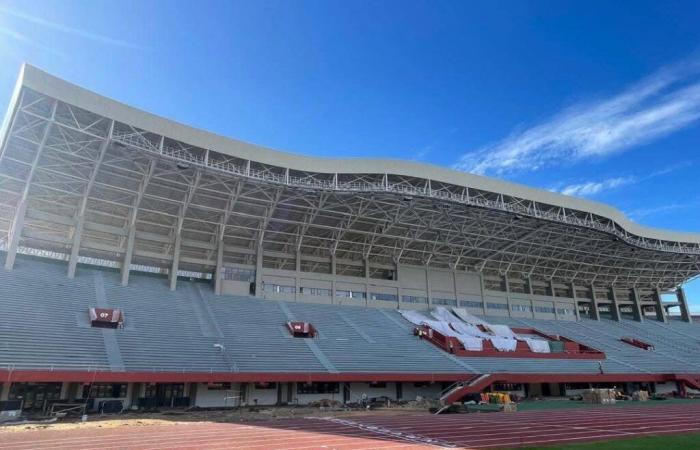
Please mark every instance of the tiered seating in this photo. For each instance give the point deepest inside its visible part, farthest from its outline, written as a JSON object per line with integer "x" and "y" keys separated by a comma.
{"x": 40, "y": 312}
{"x": 44, "y": 325}
{"x": 359, "y": 339}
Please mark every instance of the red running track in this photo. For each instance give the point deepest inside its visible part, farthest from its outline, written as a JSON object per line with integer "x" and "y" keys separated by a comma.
{"x": 414, "y": 431}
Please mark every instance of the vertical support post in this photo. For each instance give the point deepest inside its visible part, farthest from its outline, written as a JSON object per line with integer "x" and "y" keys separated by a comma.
{"x": 218, "y": 281}
{"x": 595, "y": 312}
{"x": 128, "y": 255}
{"x": 397, "y": 278}
{"x": 297, "y": 275}
{"x": 5, "y": 391}
{"x": 683, "y": 303}
{"x": 573, "y": 295}
{"x": 427, "y": 286}
{"x": 637, "y": 305}
{"x": 659, "y": 306}
{"x": 333, "y": 273}
{"x": 483, "y": 291}
{"x": 367, "y": 289}
{"x": 506, "y": 285}
{"x": 21, "y": 211}
{"x": 259, "y": 270}
{"x": 176, "y": 253}
{"x": 80, "y": 220}
{"x": 614, "y": 306}
{"x": 554, "y": 298}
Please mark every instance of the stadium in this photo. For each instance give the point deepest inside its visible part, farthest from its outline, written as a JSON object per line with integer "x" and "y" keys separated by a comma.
{"x": 157, "y": 265}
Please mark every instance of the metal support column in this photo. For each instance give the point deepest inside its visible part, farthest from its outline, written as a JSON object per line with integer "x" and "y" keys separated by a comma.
{"x": 21, "y": 211}
{"x": 683, "y": 303}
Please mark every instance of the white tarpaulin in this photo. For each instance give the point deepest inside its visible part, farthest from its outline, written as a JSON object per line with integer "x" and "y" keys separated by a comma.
{"x": 469, "y": 330}
{"x": 442, "y": 313}
{"x": 537, "y": 345}
{"x": 504, "y": 344}
{"x": 468, "y": 318}
{"x": 414, "y": 317}
{"x": 502, "y": 330}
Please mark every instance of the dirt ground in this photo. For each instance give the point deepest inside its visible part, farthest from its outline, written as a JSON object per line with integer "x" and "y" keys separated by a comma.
{"x": 180, "y": 417}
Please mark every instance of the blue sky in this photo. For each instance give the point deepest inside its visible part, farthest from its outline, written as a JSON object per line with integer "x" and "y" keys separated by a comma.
{"x": 597, "y": 99}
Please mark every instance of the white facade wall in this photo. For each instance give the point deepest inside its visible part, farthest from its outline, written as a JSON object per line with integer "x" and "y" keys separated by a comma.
{"x": 212, "y": 398}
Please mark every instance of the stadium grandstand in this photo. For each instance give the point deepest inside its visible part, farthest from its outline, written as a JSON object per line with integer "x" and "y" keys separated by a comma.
{"x": 156, "y": 264}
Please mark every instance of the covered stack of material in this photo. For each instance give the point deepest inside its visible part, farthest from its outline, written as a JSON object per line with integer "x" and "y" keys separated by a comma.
{"x": 640, "y": 396}
{"x": 599, "y": 396}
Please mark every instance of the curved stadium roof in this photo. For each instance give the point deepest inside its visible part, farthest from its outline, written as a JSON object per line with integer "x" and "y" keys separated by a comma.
{"x": 97, "y": 176}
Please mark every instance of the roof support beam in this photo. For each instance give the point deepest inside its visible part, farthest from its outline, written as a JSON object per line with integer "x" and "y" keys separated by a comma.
{"x": 636, "y": 305}
{"x": 595, "y": 312}
{"x": 220, "y": 241}
{"x": 80, "y": 220}
{"x": 178, "y": 230}
{"x": 659, "y": 306}
{"x": 683, "y": 303}
{"x": 128, "y": 255}
{"x": 614, "y": 305}
{"x": 21, "y": 211}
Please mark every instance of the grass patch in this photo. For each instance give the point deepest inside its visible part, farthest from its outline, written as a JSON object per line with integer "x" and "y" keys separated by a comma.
{"x": 666, "y": 442}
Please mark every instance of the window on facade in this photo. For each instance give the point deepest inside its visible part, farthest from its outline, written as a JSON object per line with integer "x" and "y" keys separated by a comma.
{"x": 383, "y": 297}
{"x": 320, "y": 292}
{"x": 318, "y": 388}
{"x": 414, "y": 299}
{"x": 444, "y": 301}
{"x": 104, "y": 390}
{"x": 219, "y": 386}
{"x": 471, "y": 304}
{"x": 521, "y": 308}
{"x": 377, "y": 384}
{"x": 564, "y": 311}
{"x": 497, "y": 306}
{"x": 421, "y": 384}
{"x": 280, "y": 289}
{"x": 236, "y": 274}
{"x": 263, "y": 385}
{"x": 544, "y": 309}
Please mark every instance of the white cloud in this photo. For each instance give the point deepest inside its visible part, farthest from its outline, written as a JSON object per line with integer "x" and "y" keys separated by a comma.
{"x": 595, "y": 187}
{"x": 654, "y": 107}
{"x": 99, "y": 38}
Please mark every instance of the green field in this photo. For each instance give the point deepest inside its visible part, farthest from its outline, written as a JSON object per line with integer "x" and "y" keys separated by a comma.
{"x": 670, "y": 442}
{"x": 560, "y": 404}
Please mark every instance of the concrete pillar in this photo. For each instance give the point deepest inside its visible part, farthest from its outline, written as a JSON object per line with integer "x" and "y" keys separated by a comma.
{"x": 683, "y": 303}
{"x": 573, "y": 295}
{"x": 614, "y": 306}
{"x": 658, "y": 304}
{"x": 176, "y": 260}
{"x": 554, "y": 298}
{"x": 397, "y": 277}
{"x": 483, "y": 296}
{"x": 455, "y": 284}
{"x": 258, "y": 271}
{"x": 5, "y": 391}
{"x": 297, "y": 275}
{"x": 427, "y": 286}
{"x": 367, "y": 291}
{"x": 126, "y": 264}
{"x": 595, "y": 313}
{"x": 506, "y": 285}
{"x": 219, "y": 274}
{"x": 333, "y": 273}
{"x": 637, "y": 305}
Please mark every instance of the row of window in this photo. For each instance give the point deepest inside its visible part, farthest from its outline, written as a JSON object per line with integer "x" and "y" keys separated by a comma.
{"x": 544, "y": 309}
{"x": 497, "y": 306}
{"x": 444, "y": 301}
{"x": 236, "y": 274}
